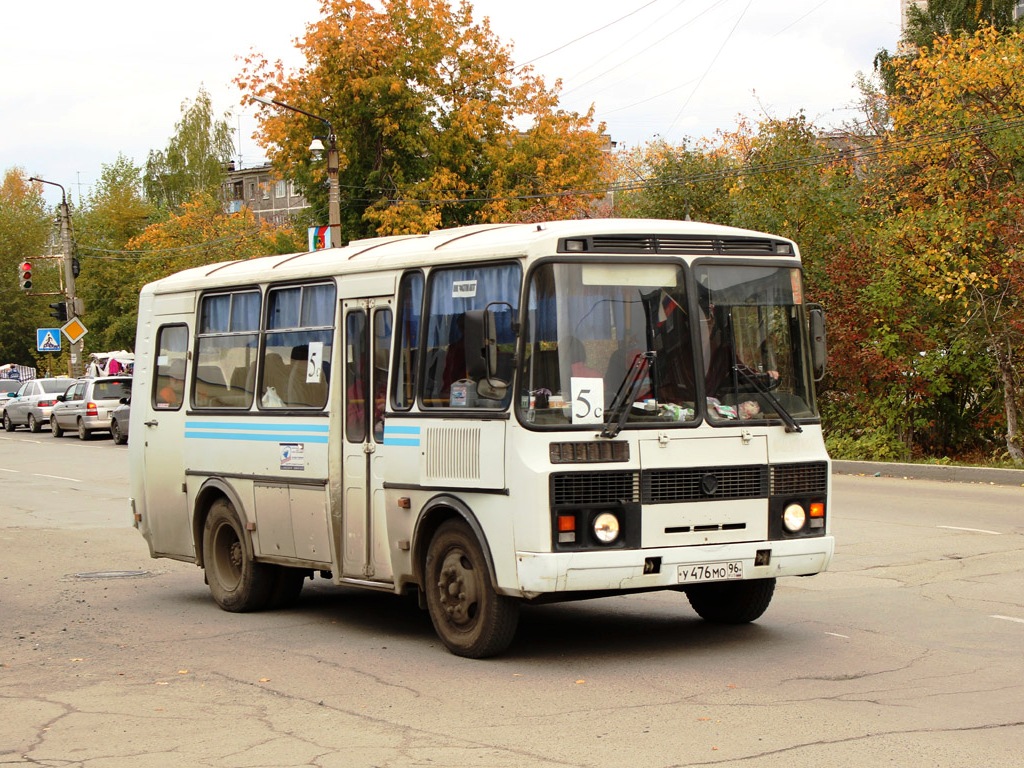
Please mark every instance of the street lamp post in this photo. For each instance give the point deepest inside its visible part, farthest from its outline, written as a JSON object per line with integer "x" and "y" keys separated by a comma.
{"x": 70, "y": 295}
{"x": 333, "y": 166}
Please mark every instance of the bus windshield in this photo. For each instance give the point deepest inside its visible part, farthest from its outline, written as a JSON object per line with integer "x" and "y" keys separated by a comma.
{"x": 754, "y": 343}
{"x": 632, "y": 344}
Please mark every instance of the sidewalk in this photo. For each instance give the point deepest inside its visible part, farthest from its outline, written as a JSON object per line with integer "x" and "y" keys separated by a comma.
{"x": 939, "y": 472}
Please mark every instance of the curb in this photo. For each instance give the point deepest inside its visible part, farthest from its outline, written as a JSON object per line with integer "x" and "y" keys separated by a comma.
{"x": 939, "y": 472}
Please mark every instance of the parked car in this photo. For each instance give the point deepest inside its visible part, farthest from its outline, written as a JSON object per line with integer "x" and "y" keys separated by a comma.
{"x": 4, "y": 397}
{"x": 119, "y": 421}
{"x": 86, "y": 405}
{"x": 31, "y": 405}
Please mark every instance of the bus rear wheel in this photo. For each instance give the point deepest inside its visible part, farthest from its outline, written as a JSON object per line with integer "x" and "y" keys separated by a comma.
{"x": 471, "y": 619}
{"x": 237, "y": 582}
{"x": 731, "y": 602}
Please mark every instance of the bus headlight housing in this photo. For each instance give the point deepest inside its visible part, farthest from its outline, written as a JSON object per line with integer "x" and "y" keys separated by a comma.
{"x": 606, "y": 528}
{"x": 794, "y": 517}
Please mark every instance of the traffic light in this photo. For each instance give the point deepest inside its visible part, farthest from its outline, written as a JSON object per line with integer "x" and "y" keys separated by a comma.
{"x": 76, "y": 268}
{"x": 59, "y": 310}
{"x": 25, "y": 275}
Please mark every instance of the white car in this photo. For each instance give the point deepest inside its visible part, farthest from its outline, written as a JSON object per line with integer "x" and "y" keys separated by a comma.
{"x": 31, "y": 405}
{"x": 86, "y": 405}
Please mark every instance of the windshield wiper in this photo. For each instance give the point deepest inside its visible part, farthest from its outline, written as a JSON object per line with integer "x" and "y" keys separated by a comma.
{"x": 618, "y": 411}
{"x": 791, "y": 425}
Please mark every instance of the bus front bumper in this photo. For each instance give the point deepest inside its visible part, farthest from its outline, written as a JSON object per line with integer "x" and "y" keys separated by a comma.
{"x": 641, "y": 569}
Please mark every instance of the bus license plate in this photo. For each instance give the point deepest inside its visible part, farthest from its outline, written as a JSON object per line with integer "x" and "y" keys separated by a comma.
{"x": 691, "y": 574}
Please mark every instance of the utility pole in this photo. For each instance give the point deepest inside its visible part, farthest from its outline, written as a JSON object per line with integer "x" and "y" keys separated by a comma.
{"x": 75, "y": 364}
{"x": 333, "y": 166}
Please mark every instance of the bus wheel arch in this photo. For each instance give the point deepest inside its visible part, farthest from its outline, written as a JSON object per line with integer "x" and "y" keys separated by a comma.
{"x": 212, "y": 490}
{"x": 237, "y": 582}
{"x": 457, "y": 574}
{"x": 432, "y": 516}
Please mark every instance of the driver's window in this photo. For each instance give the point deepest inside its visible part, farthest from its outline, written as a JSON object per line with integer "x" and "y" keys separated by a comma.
{"x": 452, "y": 293}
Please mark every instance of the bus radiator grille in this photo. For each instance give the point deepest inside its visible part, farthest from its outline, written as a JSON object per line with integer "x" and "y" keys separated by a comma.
{"x": 667, "y": 486}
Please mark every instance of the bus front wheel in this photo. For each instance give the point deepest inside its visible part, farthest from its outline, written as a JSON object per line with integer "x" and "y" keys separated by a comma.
{"x": 237, "y": 583}
{"x": 731, "y": 602}
{"x": 471, "y": 619}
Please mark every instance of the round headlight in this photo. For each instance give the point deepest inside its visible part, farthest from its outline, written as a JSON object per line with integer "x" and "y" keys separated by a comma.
{"x": 606, "y": 527}
{"x": 794, "y": 517}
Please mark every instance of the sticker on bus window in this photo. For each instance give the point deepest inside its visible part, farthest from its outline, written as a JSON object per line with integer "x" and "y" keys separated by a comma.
{"x": 587, "y": 400}
{"x": 464, "y": 289}
{"x": 315, "y": 362}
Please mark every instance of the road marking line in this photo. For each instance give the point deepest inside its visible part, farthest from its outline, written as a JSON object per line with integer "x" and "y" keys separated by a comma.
{"x": 12, "y": 471}
{"x": 59, "y": 477}
{"x": 1007, "y": 618}
{"x": 970, "y": 530}
{"x": 836, "y": 634}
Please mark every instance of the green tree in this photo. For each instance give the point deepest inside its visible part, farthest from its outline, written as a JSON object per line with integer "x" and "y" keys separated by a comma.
{"x": 943, "y": 18}
{"x": 675, "y": 182}
{"x": 195, "y": 159}
{"x": 25, "y": 227}
{"x": 114, "y": 213}
{"x": 425, "y": 102}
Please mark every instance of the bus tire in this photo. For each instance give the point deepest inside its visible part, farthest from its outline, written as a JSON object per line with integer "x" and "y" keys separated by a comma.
{"x": 731, "y": 602}
{"x": 237, "y": 582}
{"x": 471, "y": 619}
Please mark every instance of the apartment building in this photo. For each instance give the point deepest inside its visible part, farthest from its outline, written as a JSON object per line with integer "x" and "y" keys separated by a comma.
{"x": 269, "y": 198}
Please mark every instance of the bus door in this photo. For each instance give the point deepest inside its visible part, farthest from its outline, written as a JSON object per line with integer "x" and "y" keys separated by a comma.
{"x": 367, "y": 345}
{"x": 164, "y": 445}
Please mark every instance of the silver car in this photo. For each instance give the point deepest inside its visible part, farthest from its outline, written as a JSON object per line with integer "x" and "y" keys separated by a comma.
{"x": 87, "y": 404}
{"x": 31, "y": 405}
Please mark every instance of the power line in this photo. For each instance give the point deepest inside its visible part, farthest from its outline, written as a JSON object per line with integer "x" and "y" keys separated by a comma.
{"x": 881, "y": 148}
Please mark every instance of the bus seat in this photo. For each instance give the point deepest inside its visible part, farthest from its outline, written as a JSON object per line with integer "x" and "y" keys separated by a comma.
{"x": 210, "y": 385}
{"x": 275, "y": 374}
{"x": 303, "y": 393}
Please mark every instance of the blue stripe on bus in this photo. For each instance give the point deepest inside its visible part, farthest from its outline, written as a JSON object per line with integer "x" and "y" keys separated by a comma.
{"x": 401, "y": 435}
{"x": 264, "y": 438}
{"x": 239, "y": 426}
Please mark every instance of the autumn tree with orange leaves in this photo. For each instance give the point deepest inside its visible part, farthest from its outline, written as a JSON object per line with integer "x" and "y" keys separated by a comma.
{"x": 950, "y": 190}
{"x": 435, "y": 124}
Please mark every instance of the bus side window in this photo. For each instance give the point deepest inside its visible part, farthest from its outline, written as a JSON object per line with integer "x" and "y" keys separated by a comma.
{"x": 169, "y": 381}
{"x": 410, "y": 301}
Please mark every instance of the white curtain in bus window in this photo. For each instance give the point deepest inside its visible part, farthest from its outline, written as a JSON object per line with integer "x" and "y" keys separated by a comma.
{"x": 453, "y": 292}
{"x": 226, "y": 350}
{"x": 297, "y": 352}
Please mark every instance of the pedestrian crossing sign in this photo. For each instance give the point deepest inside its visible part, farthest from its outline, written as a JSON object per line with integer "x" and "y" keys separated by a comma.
{"x": 48, "y": 339}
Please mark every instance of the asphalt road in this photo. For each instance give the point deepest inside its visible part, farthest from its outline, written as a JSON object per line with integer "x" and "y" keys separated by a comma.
{"x": 907, "y": 653}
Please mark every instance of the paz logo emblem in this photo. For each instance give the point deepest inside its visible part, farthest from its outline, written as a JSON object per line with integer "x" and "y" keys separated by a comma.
{"x": 709, "y": 484}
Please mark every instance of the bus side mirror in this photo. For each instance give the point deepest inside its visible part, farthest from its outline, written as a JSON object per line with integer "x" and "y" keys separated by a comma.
{"x": 819, "y": 348}
{"x": 476, "y": 344}
{"x": 482, "y": 353}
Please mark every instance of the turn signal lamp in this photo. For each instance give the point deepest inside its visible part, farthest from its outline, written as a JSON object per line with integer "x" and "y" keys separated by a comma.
{"x": 566, "y": 529}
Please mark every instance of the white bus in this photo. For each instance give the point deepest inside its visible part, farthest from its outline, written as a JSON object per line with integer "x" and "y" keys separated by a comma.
{"x": 487, "y": 417}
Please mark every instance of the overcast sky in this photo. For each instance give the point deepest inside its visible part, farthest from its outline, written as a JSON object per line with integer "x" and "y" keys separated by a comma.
{"x": 85, "y": 81}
